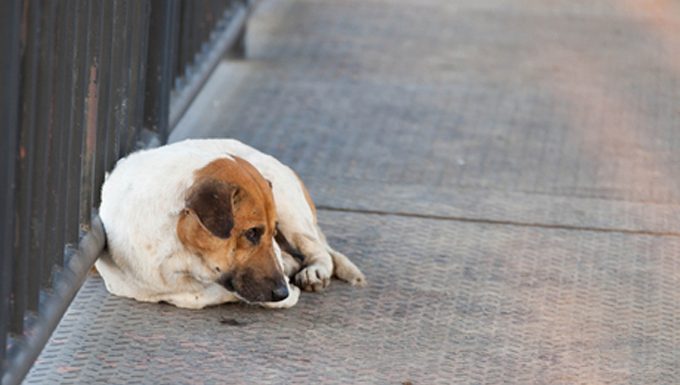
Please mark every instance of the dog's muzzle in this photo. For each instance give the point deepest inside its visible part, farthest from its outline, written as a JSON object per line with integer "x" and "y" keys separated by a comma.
{"x": 255, "y": 290}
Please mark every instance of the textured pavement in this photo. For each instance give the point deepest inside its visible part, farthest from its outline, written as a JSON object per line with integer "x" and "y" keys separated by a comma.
{"x": 505, "y": 173}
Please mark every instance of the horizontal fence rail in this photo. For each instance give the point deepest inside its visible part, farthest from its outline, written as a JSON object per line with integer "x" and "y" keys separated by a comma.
{"x": 83, "y": 83}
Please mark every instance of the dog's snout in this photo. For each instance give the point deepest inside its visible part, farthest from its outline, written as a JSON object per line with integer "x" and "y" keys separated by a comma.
{"x": 253, "y": 288}
{"x": 280, "y": 293}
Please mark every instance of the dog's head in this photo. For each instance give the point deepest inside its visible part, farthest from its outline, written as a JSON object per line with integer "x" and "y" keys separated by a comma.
{"x": 230, "y": 221}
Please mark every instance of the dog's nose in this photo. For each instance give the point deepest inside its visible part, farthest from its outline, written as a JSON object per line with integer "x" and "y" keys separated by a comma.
{"x": 280, "y": 293}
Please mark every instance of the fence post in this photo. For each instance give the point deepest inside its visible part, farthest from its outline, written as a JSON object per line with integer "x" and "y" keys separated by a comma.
{"x": 9, "y": 107}
{"x": 163, "y": 37}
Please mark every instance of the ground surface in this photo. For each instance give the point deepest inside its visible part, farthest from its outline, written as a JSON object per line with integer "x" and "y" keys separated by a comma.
{"x": 506, "y": 173}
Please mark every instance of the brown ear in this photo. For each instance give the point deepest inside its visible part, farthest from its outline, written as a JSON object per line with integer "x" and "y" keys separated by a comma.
{"x": 213, "y": 202}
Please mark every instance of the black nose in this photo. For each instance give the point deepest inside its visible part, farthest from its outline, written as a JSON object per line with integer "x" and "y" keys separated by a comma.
{"x": 280, "y": 293}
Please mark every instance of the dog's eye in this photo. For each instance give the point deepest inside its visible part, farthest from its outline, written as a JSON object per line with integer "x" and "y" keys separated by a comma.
{"x": 253, "y": 235}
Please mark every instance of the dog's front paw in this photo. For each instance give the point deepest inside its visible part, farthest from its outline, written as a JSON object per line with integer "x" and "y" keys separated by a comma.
{"x": 290, "y": 301}
{"x": 314, "y": 277}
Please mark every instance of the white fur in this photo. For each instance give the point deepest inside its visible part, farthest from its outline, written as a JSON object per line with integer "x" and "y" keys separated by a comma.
{"x": 141, "y": 202}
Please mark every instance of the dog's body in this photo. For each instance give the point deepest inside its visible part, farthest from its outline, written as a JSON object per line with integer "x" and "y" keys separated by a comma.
{"x": 194, "y": 224}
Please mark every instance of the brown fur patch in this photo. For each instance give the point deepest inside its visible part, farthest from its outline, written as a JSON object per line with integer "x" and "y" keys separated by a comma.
{"x": 212, "y": 206}
{"x": 212, "y": 201}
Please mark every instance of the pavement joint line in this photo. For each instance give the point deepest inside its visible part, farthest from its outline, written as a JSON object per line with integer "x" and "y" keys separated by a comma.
{"x": 500, "y": 222}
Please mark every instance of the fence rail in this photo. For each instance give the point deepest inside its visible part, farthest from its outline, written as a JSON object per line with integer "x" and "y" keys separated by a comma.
{"x": 83, "y": 83}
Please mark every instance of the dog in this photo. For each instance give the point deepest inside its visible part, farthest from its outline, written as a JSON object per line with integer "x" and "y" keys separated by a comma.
{"x": 204, "y": 222}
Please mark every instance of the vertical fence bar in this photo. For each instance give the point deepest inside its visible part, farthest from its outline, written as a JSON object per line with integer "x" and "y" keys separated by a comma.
{"x": 218, "y": 9}
{"x": 41, "y": 154}
{"x": 143, "y": 69}
{"x": 91, "y": 112}
{"x": 239, "y": 50}
{"x": 103, "y": 117}
{"x": 185, "y": 42}
{"x": 27, "y": 149}
{"x": 40, "y": 220}
{"x": 64, "y": 116}
{"x": 162, "y": 36}
{"x": 117, "y": 47}
{"x": 138, "y": 39}
{"x": 210, "y": 16}
{"x": 46, "y": 161}
{"x": 60, "y": 95}
{"x": 10, "y": 16}
{"x": 202, "y": 27}
{"x": 129, "y": 135}
{"x": 206, "y": 21}
{"x": 122, "y": 114}
{"x": 75, "y": 143}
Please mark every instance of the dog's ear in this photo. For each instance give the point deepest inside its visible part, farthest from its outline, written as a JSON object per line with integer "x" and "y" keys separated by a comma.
{"x": 213, "y": 203}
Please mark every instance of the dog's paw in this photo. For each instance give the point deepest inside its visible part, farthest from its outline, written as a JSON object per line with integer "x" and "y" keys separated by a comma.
{"x": 314, "y": 277}
{"x": 290, "y": 301}
{"x": 346, "y": 270}
{"x": 352, "y": 275}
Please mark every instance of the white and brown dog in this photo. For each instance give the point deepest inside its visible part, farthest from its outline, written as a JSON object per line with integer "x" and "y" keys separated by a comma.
{"x": 204, "y": 222}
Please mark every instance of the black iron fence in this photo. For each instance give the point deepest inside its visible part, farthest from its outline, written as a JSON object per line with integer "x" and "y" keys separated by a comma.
{"x": 82, "y": 83}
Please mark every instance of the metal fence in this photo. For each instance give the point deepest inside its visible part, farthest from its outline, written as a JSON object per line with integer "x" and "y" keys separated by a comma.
{"x": 82, "y": 83}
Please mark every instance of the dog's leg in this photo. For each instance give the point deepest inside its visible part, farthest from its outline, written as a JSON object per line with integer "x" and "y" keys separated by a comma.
{"x": 320, "y": 261}
{"x": 291, "y": 266}
{"x": 317, "y": 264}
{"x": 343, "y": 268}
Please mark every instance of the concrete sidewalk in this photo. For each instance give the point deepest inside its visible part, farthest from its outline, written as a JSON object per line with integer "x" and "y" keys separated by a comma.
{"x": 505, "y": 173}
